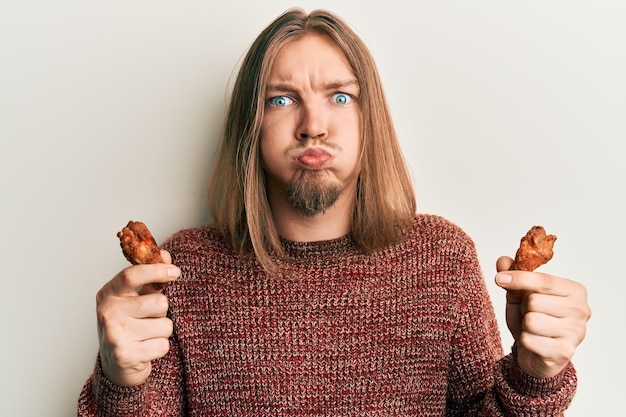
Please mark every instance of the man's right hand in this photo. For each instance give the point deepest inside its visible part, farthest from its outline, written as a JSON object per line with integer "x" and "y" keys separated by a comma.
{"x": 132, "y": 324}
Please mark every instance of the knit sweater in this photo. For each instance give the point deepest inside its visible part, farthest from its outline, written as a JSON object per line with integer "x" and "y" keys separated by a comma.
{"x": 405, "y": 331}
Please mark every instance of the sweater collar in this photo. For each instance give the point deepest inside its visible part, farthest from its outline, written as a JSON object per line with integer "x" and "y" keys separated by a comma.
{"x": 303, "y": 251}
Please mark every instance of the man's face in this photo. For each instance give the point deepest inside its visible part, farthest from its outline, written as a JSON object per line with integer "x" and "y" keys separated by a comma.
{"x": 310, "y": 135}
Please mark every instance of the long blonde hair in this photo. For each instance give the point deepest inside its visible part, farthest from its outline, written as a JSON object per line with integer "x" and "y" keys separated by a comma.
{"x": 237, "y": 198}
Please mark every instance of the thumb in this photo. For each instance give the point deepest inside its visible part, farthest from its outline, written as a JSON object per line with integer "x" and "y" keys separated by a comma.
{"x": 504, "y": 263}
{"x": 166, "y": 257}
{"x": 158, "y": 286}
{"x": 504, "y": 280}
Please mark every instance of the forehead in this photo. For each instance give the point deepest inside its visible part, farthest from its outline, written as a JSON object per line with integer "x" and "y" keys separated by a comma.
{"x": 312, "y": 56}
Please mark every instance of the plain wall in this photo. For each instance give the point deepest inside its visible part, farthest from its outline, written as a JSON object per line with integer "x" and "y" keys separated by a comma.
{"x": 510, "y": 114}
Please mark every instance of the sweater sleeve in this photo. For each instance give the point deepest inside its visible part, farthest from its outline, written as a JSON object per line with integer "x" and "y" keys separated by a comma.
{"x": 161, "y": 394}
{"x": 477, "y": 350}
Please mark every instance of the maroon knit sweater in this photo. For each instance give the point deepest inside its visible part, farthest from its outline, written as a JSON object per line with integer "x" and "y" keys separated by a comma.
{"x": 407, "y": 331}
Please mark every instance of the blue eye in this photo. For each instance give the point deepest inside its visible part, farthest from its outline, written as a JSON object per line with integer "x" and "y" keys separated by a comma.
{"x": 280, "y": 101}
{"x": 342, "y": 98}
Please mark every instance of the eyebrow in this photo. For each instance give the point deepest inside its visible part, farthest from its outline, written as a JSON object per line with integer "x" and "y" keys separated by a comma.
{"x": 333, "y": 85}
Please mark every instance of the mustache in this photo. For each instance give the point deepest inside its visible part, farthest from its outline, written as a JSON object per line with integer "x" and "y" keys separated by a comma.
{"x": 309, "y": 143}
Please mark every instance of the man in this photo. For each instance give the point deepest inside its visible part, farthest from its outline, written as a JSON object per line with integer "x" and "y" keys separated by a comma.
{"x": 317, "y": 290}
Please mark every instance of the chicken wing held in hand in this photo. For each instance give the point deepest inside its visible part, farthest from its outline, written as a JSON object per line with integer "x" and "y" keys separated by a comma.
{"x": 536, "y": 248}
{"x": 139, "y": 247}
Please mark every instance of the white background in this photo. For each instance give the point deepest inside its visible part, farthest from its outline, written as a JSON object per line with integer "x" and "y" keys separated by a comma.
{"x": 510, "y": 114}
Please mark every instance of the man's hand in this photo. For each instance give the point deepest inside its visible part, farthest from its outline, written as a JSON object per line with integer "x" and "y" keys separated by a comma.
{"x": 547, "y": 316}
{"x": 132, "y": 325}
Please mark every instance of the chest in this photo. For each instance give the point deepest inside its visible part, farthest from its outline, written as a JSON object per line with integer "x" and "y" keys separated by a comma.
{"x": 345, "y": 339}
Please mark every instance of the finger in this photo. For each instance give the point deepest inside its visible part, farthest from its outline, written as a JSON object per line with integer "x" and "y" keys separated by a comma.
{"x": 544, "y": 325}
{"x": 153, "y": 328}
{"x": 504, "y": 263}
{"x": 516, "y": 297}
{"x": 155, "y": 348}
{"x": 525, "y": 281}
{"x": 119, "y": 335}
{"x": 549, "y": 349}
{"x": 134, "y": 278}
{"x": 153, "y": 305}
{"x": 554, "y": 306}
{"x": 514, "y": 320}
{"x": 115, "y": 315}
{"x": 137, "y": 355}
{"x": 568, "y": 322}
{"x": 157, "y": 285}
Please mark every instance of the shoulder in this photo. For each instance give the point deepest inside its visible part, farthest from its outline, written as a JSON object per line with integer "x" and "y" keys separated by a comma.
{"x": 441, "y": 234}
{"x": 434, "y": 225}
{"x": 203, "y": 239}
{"x": 205, "y": 258}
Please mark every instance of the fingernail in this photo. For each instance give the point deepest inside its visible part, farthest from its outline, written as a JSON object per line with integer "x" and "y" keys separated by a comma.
{"x": 504, "y": 278}
{"x": 173, "y": 272}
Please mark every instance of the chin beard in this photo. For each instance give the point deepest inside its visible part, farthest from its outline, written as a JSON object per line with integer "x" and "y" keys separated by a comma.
{"x": 311, "y": 193}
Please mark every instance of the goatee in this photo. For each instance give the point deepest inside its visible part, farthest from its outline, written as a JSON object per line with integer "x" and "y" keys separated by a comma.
{"x": 311, "y": 193}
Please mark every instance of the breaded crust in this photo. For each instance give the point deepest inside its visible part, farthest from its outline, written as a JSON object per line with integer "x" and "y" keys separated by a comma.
{"x": 536, "y": 248}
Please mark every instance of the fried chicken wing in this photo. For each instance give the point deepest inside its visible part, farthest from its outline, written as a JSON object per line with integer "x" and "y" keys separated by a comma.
{"x": 138, "y": 246}
{"x": 536, "y": 248}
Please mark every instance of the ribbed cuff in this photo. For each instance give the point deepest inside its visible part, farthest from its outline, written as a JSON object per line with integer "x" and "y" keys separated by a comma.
{"x": 115, "y": 400}
{"x": 526, "y": 396}
{"x": 530, "y": 385}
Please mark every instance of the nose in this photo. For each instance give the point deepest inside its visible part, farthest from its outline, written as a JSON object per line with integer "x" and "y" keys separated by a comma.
{"x": 313, "y": 123}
